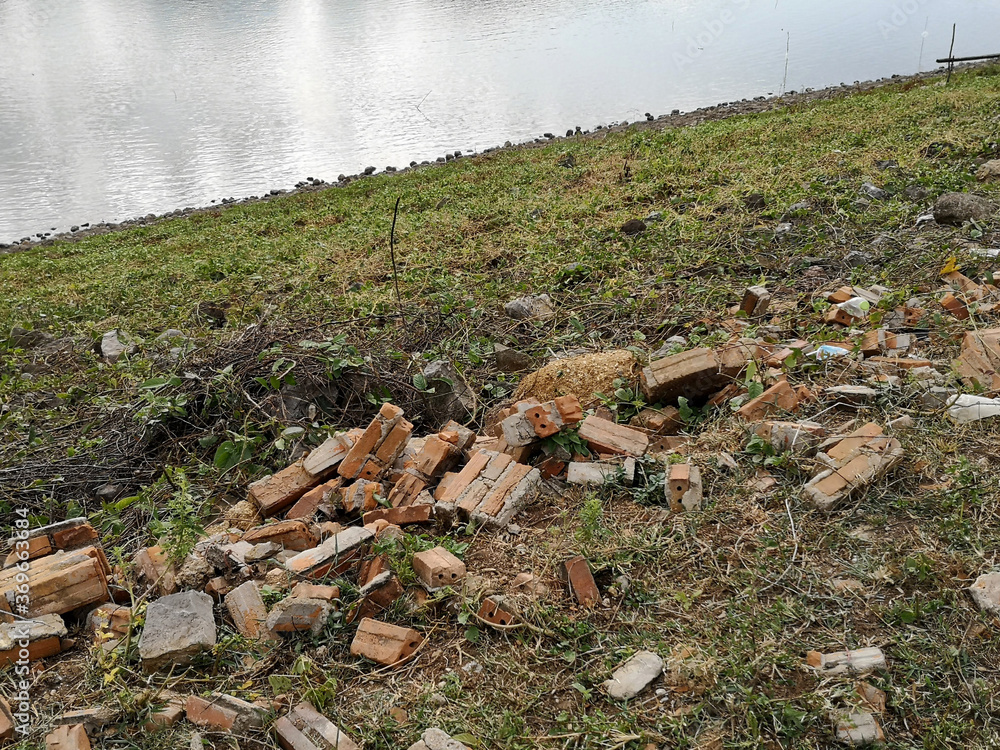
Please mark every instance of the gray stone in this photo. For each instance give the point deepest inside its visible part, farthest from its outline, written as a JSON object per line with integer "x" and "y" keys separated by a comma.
{"x": 634, "y": 676}
{"x": 172, "y": 334}
{"x": 262, "y": 551}
{"x": 532, "y": 307}
{"x": 510, "y": 360}
{"x": 435, "y": 739}
{"x": 178, "y": 627}
{"x": 452, "y": 399}
{"x": 114, "y": 345}
{"x": 195, "y": 571}
{"x": 196, "y": 742}
{"x": 436, "y": 699}
{"x": 874, "y": 192}
{"x": 298, "y": 615}
{"x": 986, "y": 592}
{"x": 958, "y": 208}
{"x": 989, "y": 171}
{"x": 914, "y": 192}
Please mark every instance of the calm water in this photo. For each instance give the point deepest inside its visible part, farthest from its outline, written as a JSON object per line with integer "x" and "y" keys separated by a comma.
{"x": 111, "y": 109}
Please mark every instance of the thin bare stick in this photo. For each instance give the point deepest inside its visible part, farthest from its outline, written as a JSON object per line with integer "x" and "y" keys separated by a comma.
{"x": 392, "y": 255}
{"x": 951, "y": 52}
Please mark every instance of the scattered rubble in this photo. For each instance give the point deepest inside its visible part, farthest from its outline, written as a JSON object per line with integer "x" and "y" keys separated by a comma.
{"x": 634, "y": 676}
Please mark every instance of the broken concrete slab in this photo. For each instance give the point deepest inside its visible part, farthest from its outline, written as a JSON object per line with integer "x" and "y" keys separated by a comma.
{"x": 178, "y": 628}
{"x": 634, "y": 676}
{"x": 985, "y": 592}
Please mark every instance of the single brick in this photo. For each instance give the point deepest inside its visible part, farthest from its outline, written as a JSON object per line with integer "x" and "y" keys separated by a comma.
{"x": 755, "y": 302}
{"x": 407, "y": 514}
{"x": 305, "y": 728}
{"x": 665, "y": 421}
{"x": 292, "y": 535}
{"x": 68, "y": 737}
{"x": 384, "y": 643}
{"x": 377, "y": 595}
{"x": 43, "y": 633}
{"x": 581, "y": 581}
{"x": 605, "y": 436}
{"x": 335, "y": 555}
{"x": 683, "y": 487}
{"x": 695, "y": 373}
{"x": 295, "y": 615}
{"x": 304, "y": 590}
{"x": 307, "y": 505}
{"x": 224, "y": 713}
{"x": 494, "y": 611}
{"x": 332, "y": 451}
{"x": 438, "y": 568}
{"x": 436, "y": 456}
{"x": 274, "y": 493}
{"x": 780, "y": 397}
{"x": 247, "y": 610}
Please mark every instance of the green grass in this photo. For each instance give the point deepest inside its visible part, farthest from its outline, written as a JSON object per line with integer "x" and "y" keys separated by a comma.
{"x": 733, "y": 596}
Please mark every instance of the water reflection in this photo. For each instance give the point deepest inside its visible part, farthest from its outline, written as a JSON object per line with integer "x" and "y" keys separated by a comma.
{"x": 117, "y": 108}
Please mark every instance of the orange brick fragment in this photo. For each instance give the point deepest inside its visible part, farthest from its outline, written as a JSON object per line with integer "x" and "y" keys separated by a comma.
{"x": 581, "y": 581}
{"x": 384, "y": 643}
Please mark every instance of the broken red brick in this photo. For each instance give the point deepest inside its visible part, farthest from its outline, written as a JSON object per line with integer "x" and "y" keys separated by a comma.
{"x": 307, "y": 505}
{"x": 400, "y": 516}
{"x": 407, "y": 488}
{"x": 755, "y": 302}
{"x": 979, "y": 362}
{"x": 247, "y": 610}
{"x": 223, "y": 713}
{"x": 839, "y": 316}
{"x": 384, "y": 643}
{"x": 840, "y": 296}
{"x": 603, "y": 436}
{"x": 304, "y": 728}
{"x": 292, "y": 535}
{"x": 779, "y": 397}
{"x": 377, "y": 595}
{"x": 694, "y": 374}
{"x": 68, "y": 737}
{"x": 60, "y": 582}
{"x": 581, "y": 581}
{"x": 277, "y": 491}
{"x": 665, "y": 421}
{"x": 304, "y": 590}
{"x": 437, "y": 456}
{"x": 154, "y": 566}
{"x": 957, "y": 307}
{"x": 494, "y": 612}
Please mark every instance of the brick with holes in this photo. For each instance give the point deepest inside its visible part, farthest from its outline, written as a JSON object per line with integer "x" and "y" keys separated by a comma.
{"x": 437, "y": 568}
{"x": 496, "y": 611}
{"x": 683, "y": 487}
{"x": 384, "y": 643}
{"x": 532, "y": 421}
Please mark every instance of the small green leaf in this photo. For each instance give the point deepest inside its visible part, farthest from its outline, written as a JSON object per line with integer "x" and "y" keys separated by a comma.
{"x": 472, "y": 634}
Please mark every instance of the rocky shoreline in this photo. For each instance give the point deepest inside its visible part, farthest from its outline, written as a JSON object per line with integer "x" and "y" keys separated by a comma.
{"x": 675, "y": 119}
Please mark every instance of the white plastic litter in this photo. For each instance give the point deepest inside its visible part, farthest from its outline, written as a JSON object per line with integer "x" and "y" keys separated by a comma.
{"x": 967, "y": 408}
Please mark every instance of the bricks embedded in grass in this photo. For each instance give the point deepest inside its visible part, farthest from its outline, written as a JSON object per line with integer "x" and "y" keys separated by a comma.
{"x": 437, "y": 568}
{"x": 854, "y": 462}
{"x": 756, "y": 300}
{"x": 224, "y": 713}
{"x": 376, "y": 595}
{"x": 857, "y": 728}
{"x": 305, "y": 728}
{"x": 978, "y": 363}
{"x": 384, "y": 643}
{"x": 68, "y": 737}
{"x": 581, "y": 581}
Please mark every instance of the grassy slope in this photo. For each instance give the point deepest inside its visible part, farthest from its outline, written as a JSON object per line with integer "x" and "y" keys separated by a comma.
{"x": 735, "y": 593}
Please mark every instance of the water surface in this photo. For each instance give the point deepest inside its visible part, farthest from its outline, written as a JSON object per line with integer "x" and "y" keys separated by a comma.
{"x": 111, "y": 109}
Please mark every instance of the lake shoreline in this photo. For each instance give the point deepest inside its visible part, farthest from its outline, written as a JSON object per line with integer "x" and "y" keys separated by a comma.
{"x": 721, "y": 111}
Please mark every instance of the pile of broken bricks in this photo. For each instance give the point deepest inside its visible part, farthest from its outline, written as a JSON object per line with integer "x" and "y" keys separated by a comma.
{"x": 327, "y": 511}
